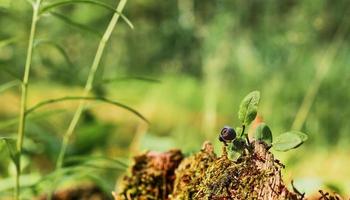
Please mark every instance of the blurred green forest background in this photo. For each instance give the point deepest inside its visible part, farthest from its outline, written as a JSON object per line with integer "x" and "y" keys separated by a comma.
{"x": 185, "y": 66}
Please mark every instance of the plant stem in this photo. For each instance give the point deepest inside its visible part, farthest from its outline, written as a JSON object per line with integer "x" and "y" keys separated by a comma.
{"x": 89, "y": 82}
{"x": 24, "y": 95}
{"x": 243, "y": 129}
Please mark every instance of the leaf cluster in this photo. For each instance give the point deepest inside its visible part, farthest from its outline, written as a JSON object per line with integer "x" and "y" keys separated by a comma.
{"x": 247, "y": 113}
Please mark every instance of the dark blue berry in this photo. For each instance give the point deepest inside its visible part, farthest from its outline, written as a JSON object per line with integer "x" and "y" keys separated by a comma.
{"x": 227, "y": 134}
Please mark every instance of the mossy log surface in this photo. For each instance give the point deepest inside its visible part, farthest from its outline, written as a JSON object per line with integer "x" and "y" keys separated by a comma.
{"x": 256, "y": 174}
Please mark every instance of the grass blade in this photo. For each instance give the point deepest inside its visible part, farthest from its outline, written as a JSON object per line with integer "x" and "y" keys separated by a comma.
{"x": 96, "y": 158}
{"x": 69, "y": 98}
{"x": 59, "y": 48}
{"x": 24, "y": 95}
{"x": 89, "y": 82}
{"x": 139, "y": 78}
{"x": 102, "y": 167}
{"x": 9, "y": 85}
{"x": 92, "y": 2}
{"x": 72, "y": 170}
{"x": 75, "y": 24}
{"x": 14, "y": 121}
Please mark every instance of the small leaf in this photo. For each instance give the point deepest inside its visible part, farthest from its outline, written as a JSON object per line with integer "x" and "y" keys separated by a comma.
{"x": 263, "y": 133}
{"x": 232, "y": 154}
{"x": 289, "y": 140}
{"x": 302, "y": 135}
{"x": 249, "y": 108}
{"x": 238, "y": 145}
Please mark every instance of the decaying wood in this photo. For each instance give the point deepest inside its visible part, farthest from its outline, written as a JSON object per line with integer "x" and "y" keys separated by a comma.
{"x": 204, "y": 176}
{"x": 152, "y": 176}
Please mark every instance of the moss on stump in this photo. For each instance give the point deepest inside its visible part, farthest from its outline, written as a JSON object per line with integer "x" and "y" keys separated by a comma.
{"x": 204, "y": 176}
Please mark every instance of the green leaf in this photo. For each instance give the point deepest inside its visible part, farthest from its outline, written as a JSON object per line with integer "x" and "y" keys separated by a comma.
{"x": 249, "y": 108}
{"x": 76, "y": 24}
{"x": 232, "y": 155}
{"x": 302, "y": 135}
{"x": 289, "y": 140}
{"x": 263, "y": 133}
{"x": 238, "y": 145}
{"x": 58, "y": 47}
{"x": 93, "y": 2}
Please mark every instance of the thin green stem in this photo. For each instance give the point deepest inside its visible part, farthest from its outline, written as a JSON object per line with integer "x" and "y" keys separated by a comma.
{"x": 24, "y": 95}
{"x": 88, "y": 86}
{"x": 243, "y": 129}
{"x": 89, "y": 82}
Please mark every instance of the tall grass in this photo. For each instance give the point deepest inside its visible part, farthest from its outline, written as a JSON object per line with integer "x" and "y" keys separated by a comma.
{"x": 24, "y": 111}
{"x": 24, "y": 95}
{"x": 90, "y": 81}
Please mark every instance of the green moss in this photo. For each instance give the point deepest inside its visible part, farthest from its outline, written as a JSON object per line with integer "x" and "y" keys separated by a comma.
{"x": 204, "y": 176}
{"x": 190, "y": 173}
{"x": 254, "y": 175}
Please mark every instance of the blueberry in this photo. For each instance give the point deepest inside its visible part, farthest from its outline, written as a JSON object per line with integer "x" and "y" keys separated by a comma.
{"x": 227, "y": 134}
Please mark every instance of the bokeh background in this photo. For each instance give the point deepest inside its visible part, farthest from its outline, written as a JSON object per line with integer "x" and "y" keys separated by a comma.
{"x": 185, "y": 66}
